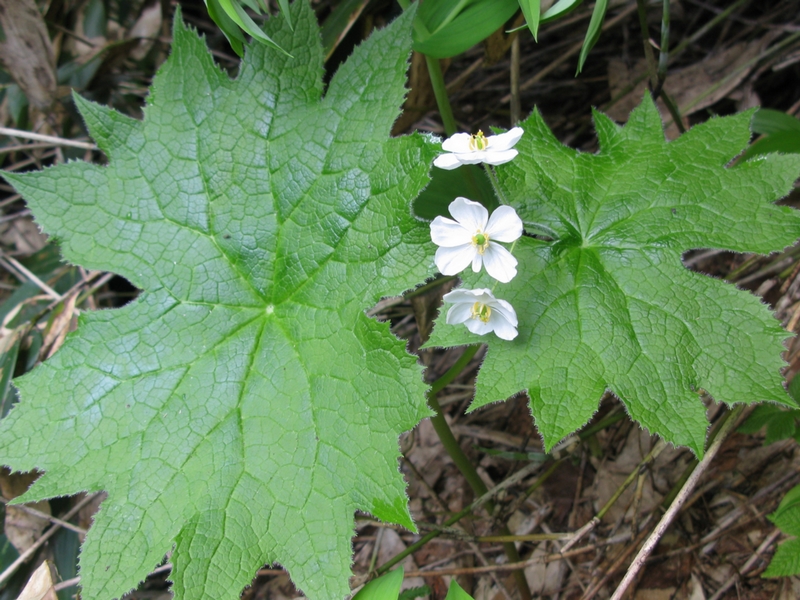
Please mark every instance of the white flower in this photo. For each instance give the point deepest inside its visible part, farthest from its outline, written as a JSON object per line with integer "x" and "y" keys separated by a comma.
{"x": 472, "y": 238}
{"x": 481, "y": 312}
{"x": 469, "y": 149}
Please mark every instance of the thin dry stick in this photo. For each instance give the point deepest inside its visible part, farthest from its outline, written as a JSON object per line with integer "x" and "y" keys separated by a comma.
{"x": 748, "y": 565}
{"x": 162, "y": 569}
{"x": 40, "y": 542}
{"x": 516, "y": 106}
{"x": 26, "y": 273}
{"x": 651, "y": 456}
{"x": 677, "y": 504}
{"x": 598, "y": 582}
{"x": 52, "y": 140}
{"x": 503, "y": 567}
{"x": 67, "y": 583}
{"x": 51, "y": 518}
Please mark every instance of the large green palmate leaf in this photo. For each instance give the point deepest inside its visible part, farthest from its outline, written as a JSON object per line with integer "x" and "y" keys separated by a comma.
{"x": 608, "y": 305}
{"x": 243, "y": 407}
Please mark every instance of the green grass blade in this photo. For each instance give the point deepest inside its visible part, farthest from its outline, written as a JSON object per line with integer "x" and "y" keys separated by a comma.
{"x": 593, "y": 33}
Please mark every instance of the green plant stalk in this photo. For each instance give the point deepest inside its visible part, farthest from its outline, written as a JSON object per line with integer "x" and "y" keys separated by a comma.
{"x": 454, "y": 371}
{"x": 495, "y": 183}
{"x": 678, "y": 49}
{"x": 600, "y": 425}
{"x": 437, "y": 78}
{"x": 463, "y": 463}
{"x": 452, "y": 14}
{"x": 672, "y": 108}
{"x": 540, "y": 481}
{"x": 663, "y": 57}
{"x": 469, "y": 472}
{"x": 641, "y": 10}
{"x": 440, "y": 91}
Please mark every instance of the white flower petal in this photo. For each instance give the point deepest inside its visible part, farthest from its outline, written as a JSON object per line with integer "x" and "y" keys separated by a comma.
{"x": 449, "y": 233}
{"x": 500, "y": 157}
{"x": 464, "y": 149}
{"x": 502, "y": 318}
{"x": 447, "y": 161}
{"x": 472, "y": 215}
{"x": 479, "y": 327}
{"x": 459, "y": 313}
{"x": 502, "y": 328}
{"x": 473, "y": 158}
{"x": 500, "y": 263}
{"x": 504, "y": 141}
{"x": 458, "y": 142}
{"x": 462, "y": 295}
{"x": 504, "y": 225}
{"x": 505, "y": 309}
{"x": 451, "y": 261}
{"x": 477, "y": 261}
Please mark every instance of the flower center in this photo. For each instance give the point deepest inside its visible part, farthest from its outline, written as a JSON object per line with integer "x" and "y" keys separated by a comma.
{"x": 481, "y": 241}
{"x": 481, "y": 311}
{"x": 477, "y": 141}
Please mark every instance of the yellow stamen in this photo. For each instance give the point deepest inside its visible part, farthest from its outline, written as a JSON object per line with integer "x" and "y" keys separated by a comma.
{"x": 481, "y": 241}
{"x": 478, "y": 141}
{"x": 481, "y": 311}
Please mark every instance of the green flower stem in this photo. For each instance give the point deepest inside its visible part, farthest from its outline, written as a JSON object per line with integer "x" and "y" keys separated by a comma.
{"x": 495, "y": 183}
{"x": 600, "y": 425}
{"x": 454, "y": 371}
{"x": 652, "y": 67}
{"x": 674, "y": 112}
{"x": 463, "y": 463}
{"x": 440, "y": 91}
{"x": 663, "y": 57}
{"x": 437, "y": 79}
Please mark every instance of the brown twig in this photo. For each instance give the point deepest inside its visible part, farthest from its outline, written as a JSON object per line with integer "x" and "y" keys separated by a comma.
{"x": 677, "y": 504}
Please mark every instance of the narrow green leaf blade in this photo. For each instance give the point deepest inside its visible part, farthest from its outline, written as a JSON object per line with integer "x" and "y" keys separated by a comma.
{"x": 472, "y": 25}
{"x": 593, "y": 32}
{"x": 227, "y": 25}
{"x": 238, "y": 15}
{"x": 286, "y": 12}
{"x": 786, "y": 142}
{"x": 456, "y": 592}
{"x": 767, "y": 121}
{"x": 386, "y": 587}
{"x": 532, "y": 11}
{"x": 560, "y": 9}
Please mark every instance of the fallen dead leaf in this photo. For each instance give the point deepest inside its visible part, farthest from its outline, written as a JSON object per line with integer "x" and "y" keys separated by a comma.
{"x": 21, "y": 528}
{"x": 40, "y": 585}
{"x": 58, "y": 327}
{"x": 23, "y": 235}
{"x": 692, "y": 88}
{"x": 147, "y": 28}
